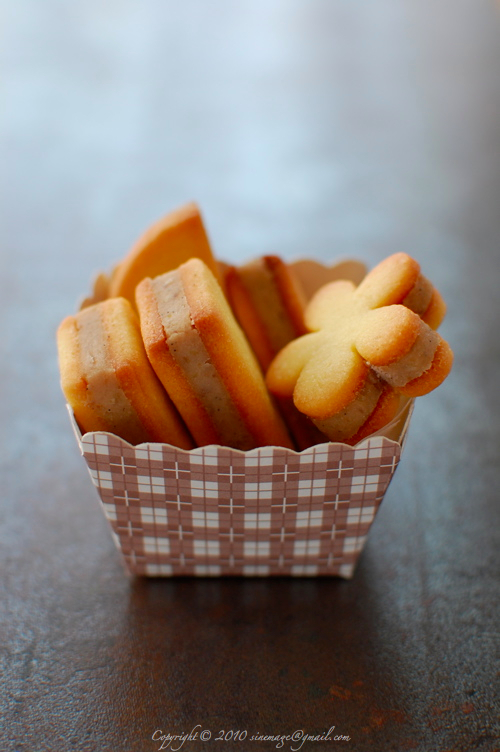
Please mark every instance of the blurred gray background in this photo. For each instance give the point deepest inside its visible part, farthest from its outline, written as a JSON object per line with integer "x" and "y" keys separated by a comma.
{"x": 318, "y": 128}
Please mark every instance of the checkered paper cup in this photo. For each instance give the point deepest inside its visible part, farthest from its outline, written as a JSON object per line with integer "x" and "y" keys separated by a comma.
{"x": 217, "y": 511}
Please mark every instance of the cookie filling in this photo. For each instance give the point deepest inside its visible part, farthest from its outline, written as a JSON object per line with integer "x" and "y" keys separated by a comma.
{"x": 260, "y": 283}
{"x": 420, "y": 295}
{"x": 414, "y": 363}
{"x": 347, "y": 422}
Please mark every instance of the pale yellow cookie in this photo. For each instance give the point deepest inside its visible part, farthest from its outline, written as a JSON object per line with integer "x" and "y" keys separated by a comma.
{"x": 365, "y": 347}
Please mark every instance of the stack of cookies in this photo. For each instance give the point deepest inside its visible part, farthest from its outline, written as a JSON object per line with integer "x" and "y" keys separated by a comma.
{"x": 181, "y": 349}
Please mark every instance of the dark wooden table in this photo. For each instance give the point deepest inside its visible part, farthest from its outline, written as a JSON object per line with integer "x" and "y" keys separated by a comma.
{"x": 318, "y": 128}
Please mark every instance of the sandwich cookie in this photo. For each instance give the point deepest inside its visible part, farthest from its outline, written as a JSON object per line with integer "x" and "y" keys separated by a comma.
{"x": 108, "y": 381}
{"x": 204, "y": 361}
{"x": 269, "y": 305}
{"x": 366, "y": 348}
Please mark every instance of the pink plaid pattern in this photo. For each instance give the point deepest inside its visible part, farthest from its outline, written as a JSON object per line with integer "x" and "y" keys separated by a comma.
{"x": 217, "y": 511}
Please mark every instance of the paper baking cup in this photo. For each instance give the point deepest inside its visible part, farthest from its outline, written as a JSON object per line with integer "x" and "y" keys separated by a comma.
{"x": 217, "y": 511}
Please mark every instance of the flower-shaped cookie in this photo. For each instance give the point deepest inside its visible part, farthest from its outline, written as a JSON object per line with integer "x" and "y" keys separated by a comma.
{"x": 367, "y": 346}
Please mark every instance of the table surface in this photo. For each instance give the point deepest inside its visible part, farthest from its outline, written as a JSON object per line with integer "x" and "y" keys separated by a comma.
{"x": 312, "y": 128}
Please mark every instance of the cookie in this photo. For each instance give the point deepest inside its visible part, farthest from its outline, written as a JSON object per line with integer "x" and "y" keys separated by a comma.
{"x": 170, "y": 242}
{"x": 108, "y": 381}
{"x": 269, "y": 305}
{"x": 366, "y": 348}
{"x": 204, "y": 361}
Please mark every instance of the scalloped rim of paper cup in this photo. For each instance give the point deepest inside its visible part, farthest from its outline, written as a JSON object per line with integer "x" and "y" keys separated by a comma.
{"x": 394, "y": 432}
{"x": 314, "y": 274}
{"x": 324, "y": 538}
